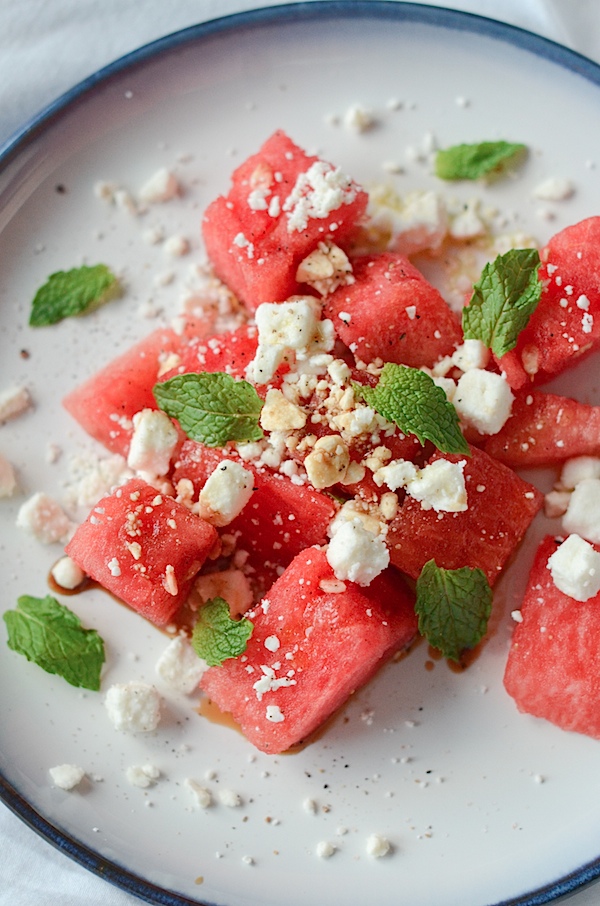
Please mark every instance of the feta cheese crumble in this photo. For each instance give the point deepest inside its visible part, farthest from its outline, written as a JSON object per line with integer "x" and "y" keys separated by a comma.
{"x": 133, "y": 707}
{"x": 318, "y": 192}
{"x": 356, "y": 554}
{"x": 161, "y": 187}
{"x": 143, "y": 775}
{"x": 226, "y": 492}
{"x": 179, "y": 666}
{"x": 483, "y": 399}
{"x": 66, "y": 776}
{"x": 67, "y": 574}
{"x": 583, "y": 511}
{"x": 152, "y": 444}
{"x": 45, "y": 519}
{"x": 14, "y": 401}
{"x": 575, "y": 568}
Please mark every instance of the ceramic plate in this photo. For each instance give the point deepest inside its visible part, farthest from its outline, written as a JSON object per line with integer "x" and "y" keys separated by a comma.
{"x": 480, "y": 804}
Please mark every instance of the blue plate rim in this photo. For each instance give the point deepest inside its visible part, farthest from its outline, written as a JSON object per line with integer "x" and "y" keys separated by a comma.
{"x": 294, "y": 13}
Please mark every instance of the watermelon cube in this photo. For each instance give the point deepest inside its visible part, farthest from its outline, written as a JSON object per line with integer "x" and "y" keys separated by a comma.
{"x": 144, "y": 547}
{"x": 554, "y": 660}
{"x": 281, "y": 205}
{"x": 545, "y": 429}
{"x": 104, "y": 405}
{"x": 315, "y": 641}
{"x": 501, "y": 505}
{"x": 393, "y": 313}
{"x": 566, "y": 323}
{"x": 281, "y": 518}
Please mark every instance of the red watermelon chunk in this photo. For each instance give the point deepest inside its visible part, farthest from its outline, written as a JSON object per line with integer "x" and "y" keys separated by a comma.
{"x": 231, "y": 353}
{"x": 254, "y": 236}
{"x": 315, "y": 641}
{"x": 393, "y": 313}
{"x": 566, "y": 323}
{"x": 281, "y": 518}
{"x": 105, "y": 404}
{"x": 544, "y": 429}
{"x": 144, "y": 547}
{"x": 500, "y": 508}
{"x": 554, "y": 661}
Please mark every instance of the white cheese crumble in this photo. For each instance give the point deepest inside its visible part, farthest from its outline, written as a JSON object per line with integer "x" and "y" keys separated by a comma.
{"x": 378, "y": 846}
{"x": 67, "y": 574}
{"x": 142, "y": 775}
{"x": 440, "y": 486}
{"x": 328, "y": 461}
{"x": 325, "y": 849}
{"x": 179, "y": 666}
{"x": 288, "y": 328}
{"x": 471, "y": 354}
{"x": 408, "y": 225}
{"x": 225, "y": 494}
{"x": 202, "y": 795}
{"x": 230, "y": 798}
{"x": 318, "y": 192}
{"x": 356, "y": 554}
{"x": 66, "y": 776}
{"x": 325, "y": 269}
{"x": 484, "y": 400}
{"x": 133, "y": 707}
{"x": 13, "y": 402}
{"x": 280, "y": 414}
{"x": 161, "y": 187}
{"x": 152, "y": 444}
{"x": 359, "y": 119}
{"x": 274, "y": 714}
{"x": 45, "y": 519}
{"x": 554, "y": 189}
{"x": 575, "y": 568}
{"x": 583, "y": 512}
{"x": 576, "y": 469}
{"x": 8, "y": 480}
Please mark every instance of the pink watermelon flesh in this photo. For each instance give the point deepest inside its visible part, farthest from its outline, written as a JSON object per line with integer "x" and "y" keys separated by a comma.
{"x": 280, "y": 519}
{"x": 328, "y": 644}
{"x": 554, "y": 660}
{"x": 248, "y": 235}
{"x": 105, "y": 404}
{"x": 393, "y": 313}
{"x": 500, "y": 508}
{"x": 544, "y": 429}
{"x": 144, "y": 547}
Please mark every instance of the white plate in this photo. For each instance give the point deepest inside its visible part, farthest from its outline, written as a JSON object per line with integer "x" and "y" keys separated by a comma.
{"x": 441, "y": 763}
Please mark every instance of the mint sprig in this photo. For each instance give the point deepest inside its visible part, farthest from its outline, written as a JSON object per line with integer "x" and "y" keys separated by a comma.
{"x": 75, "y": 292}
{"x": 453, "y": 607}
{"x": 472, "y": 161}
{"x": 216, "y": 636}
{"x": 503, "y": 300}
{"x": 51, "y": 635}
{"x": 410, "y": 398}
{"x": 212, "y": 408}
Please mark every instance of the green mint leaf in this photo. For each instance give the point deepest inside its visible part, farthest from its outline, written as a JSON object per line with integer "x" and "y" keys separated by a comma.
{"x": 410, "y": 398}
{"x": 212, "y": 408}
{"x": 216, "y": 637}
{"x": 74, "y": 292}
{"x": 477, "y": 160}
{"x": 51, "y": 635}
{"x": 453, "y": 607}
{"x": 503, "y": 300}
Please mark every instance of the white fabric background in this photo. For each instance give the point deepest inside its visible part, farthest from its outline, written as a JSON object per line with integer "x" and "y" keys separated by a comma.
{"x": 47, "y": 46}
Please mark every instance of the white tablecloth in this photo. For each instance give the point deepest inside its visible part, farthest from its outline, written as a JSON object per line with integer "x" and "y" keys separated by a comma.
{"x": 46, "y": 46}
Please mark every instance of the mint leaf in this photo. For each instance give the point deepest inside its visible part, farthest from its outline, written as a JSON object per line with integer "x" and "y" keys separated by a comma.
{"x": 216, "y": 637}
{"x": 212, "y": 408}
{"x": 51, "y": 635}
{"x": 476, "y": 160}
{"x": 410, "y": 398}
{"x": 453, "y": 607}
{"x": 503, "y": 300}
{"x": 74, "y": 292}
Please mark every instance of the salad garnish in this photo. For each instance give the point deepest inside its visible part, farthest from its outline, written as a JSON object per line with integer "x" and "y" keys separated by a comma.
{"x": 51, "y": 635}
{"x": 503, "y": 300}
{"x": 453, "y": 607}
{"x": 212, "y": 408}
{"x": 74, "y": 292}
{"x": 472, "y": 161}
{"x": 216, "y": 636}
{"x": 410, "y": 398}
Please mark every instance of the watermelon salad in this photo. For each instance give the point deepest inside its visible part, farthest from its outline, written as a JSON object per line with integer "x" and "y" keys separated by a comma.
{"x": 316, "y": 480}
